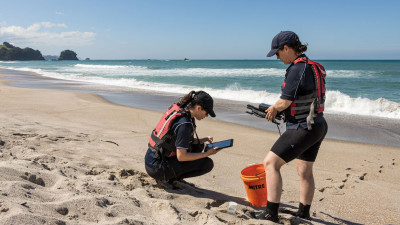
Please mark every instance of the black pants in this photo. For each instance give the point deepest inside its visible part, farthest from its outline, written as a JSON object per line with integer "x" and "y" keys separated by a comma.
{"x": 301, "y": 143}
{"x": 172, "y": 169}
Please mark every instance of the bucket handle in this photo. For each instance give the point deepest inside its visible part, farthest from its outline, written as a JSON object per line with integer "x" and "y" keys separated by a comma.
{"x": 259, "y": 173}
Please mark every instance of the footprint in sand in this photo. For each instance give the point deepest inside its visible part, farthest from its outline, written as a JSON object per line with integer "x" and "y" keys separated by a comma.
{"x": 45, "y": 166}
{"x": 344, "y": 182}
{"x": 94, "y": 172}
{"x": 62, "y": 210}
{"x": 214, "y": 203}
{"x": 194, "y": 214}
{"x": 363, "y": 176}
{"x": 32, "y": 178}
{"x": 27, "y": 186}
{"x": 112, "y": 177}
{"x": 135, "y": 201}
{"x": 3, "y": 209}
{"x": 110, "y": 214}
{"x": 103, "y": 202}
{"x": 381, "y": 167}
{"x": 167, "y": 208}
{"x": 143, "y": 178}
{"x": 126, "y": 173}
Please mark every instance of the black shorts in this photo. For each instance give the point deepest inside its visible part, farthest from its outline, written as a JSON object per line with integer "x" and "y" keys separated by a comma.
{"x": 301, "y": 143}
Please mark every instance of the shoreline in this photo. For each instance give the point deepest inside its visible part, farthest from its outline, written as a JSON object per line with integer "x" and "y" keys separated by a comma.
{"x": 89, "y": 154}
{"x": 346, "y": 127}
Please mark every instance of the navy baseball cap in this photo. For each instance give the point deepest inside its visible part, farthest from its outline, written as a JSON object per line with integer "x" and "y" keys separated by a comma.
{"x": 203, "y": 99}
{"x": 281, "y": 39}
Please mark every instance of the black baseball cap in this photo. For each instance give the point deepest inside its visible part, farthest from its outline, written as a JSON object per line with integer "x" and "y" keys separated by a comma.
{"x": 281, "y": 39}
{"x": 203, "y": 99}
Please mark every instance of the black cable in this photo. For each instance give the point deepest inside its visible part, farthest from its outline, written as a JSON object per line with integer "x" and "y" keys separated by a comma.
{"x": 260, "y": 113}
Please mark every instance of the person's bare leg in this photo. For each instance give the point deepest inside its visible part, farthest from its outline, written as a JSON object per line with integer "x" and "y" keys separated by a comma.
{"x": 307, "y": 185}
{"x": 273, "y": 164}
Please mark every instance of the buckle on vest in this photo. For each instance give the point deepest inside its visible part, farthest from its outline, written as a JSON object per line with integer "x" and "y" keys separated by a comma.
{"x": 156, "y": 153}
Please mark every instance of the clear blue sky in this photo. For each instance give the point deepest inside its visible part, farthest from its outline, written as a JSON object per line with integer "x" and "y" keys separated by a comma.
{"x": 207, "y": 29}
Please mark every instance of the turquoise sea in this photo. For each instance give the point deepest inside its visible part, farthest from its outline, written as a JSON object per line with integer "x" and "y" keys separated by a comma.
{"x": 358, "y": 87}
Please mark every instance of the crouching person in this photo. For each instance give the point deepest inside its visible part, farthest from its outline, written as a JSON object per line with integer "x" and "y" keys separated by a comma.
{"x": 174, "y": 153}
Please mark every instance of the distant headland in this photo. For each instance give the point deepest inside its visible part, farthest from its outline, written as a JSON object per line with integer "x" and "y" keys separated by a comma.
{"x": 9, "y": 52}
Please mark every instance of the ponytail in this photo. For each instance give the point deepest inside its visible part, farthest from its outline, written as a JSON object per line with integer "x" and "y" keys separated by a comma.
{"x": 298, "y": 46}
{"x": 187, "y": 100}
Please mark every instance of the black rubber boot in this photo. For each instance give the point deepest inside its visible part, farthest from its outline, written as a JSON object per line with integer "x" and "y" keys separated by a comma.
{"x": 304, "y": 211}
{"x": 167, "y": 185}
{"x": 270, "y": 213}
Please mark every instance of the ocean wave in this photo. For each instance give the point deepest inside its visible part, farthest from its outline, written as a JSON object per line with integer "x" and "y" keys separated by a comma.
{"x": 166, "y": 72}
{"x": 135, "y": 71}
{"x": 8, "y": 62}
{"x": 148, "y": 71}
{"x": 39, "y": 71}
{"x": 204, "y": 72}
{"x": 350, "y": 74}
{"x": 336, "y": 102}
{"x": 102, "y": 67}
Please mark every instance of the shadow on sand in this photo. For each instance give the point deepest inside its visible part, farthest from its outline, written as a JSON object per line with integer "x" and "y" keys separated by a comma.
{"x": 221, "y": 198}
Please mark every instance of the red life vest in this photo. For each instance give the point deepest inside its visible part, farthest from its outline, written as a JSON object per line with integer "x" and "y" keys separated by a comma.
{"x": 162, "y": 142}
{"x": 309, "y": 106}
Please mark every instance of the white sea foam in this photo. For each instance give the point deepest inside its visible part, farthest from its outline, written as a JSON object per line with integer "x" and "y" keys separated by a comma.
{"x": 337, "y": 102}
{"x": 131, "y": 70}
{"x": 182, "y": 72}
{"x": 204, "y": 72}
{"x": 349, "y": 73}
{"x": 98, "y": 66}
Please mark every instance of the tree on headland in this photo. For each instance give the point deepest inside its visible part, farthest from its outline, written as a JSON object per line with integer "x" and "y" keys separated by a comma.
{"x": 68, "y": 55}
{"x": 10, "y": 52}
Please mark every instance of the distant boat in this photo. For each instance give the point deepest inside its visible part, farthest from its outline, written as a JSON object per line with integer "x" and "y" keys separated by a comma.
{"x": 185, "y": 59}
{"x": 87, "y": 59}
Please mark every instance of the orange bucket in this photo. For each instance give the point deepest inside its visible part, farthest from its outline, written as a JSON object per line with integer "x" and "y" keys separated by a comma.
{"x": 255, "y": 184}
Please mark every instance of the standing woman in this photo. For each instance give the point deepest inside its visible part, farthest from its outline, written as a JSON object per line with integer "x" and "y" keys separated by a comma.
{"x": 302, "y": 100}
{"x": 174, "y": 153}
